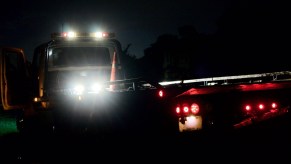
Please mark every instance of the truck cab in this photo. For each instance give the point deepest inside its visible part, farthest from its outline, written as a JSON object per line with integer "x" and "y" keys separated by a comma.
{"x": 76, "y": 82}
{"x": 65, "y": 70}
{"x": 72, "y": 58}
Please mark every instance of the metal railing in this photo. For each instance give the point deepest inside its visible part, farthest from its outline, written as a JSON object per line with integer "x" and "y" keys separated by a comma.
{"x": 224, "y": 80}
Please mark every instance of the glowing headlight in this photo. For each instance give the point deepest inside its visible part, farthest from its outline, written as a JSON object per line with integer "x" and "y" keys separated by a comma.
{"x": 71, "y": 34}
{"x": 96, "y": 88}
{"x": 98, "y": 34}
{"x": 79, "y": 89}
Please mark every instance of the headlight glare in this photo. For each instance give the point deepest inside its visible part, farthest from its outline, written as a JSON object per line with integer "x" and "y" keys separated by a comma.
{"x": 96, "y": 87}
{"x": 79, "y": 89}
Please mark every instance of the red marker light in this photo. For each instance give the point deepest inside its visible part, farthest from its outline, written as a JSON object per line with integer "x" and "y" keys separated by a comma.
{"x": 248, "y": 108}
{"x": 161, "y": 93}
{"x": 178, "y": 110}
{"x": 105, "y": 34}
{"x": 261, "y": 106}
{"x": 274, "y": 105}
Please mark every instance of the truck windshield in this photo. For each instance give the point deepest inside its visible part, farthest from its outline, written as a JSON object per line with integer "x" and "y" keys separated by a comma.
{"x": 79, "y": 56}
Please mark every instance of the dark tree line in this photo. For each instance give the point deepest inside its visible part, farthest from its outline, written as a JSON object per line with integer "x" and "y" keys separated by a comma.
{"x": 250, "y": 39}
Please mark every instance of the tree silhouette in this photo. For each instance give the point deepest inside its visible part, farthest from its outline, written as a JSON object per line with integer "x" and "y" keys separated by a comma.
{"x": 155, "y": 60}
{"x": 129, "y": 63}
{"x": 171, "y": 57}
{"x": 250, "y": 38}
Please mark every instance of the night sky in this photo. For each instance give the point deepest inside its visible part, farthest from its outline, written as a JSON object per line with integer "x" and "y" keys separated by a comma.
{"x": 28, "y": 23}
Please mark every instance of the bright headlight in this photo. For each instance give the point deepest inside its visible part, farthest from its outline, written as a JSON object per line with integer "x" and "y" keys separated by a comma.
{"x": 96, "y": 87}
{"x": 79, "y": 89}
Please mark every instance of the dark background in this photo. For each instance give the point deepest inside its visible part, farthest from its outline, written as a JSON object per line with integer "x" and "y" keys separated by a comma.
{"x": 164, "y": 40}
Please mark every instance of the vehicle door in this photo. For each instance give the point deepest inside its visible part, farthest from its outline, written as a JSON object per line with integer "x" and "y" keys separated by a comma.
{"x": 14, "y": 78}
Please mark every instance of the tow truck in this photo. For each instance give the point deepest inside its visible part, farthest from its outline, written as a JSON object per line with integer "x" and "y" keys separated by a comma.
{"x": 76, "y": 82}
{"x": 230, "y": 102}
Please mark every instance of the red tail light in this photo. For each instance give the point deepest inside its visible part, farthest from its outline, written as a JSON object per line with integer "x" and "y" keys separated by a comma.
{"x": 248, "y": 108}
{"x": 178, "y": 110}
{"x": 274, "y": 105}
{"x": 194, "y": 108}
{"x": 261, "y": 106}
{"x": 161, "y": 93}
{"x": 186, "y": 109}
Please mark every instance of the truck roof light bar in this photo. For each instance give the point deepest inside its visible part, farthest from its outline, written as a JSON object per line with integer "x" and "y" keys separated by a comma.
{"x": 71, "y": 35}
